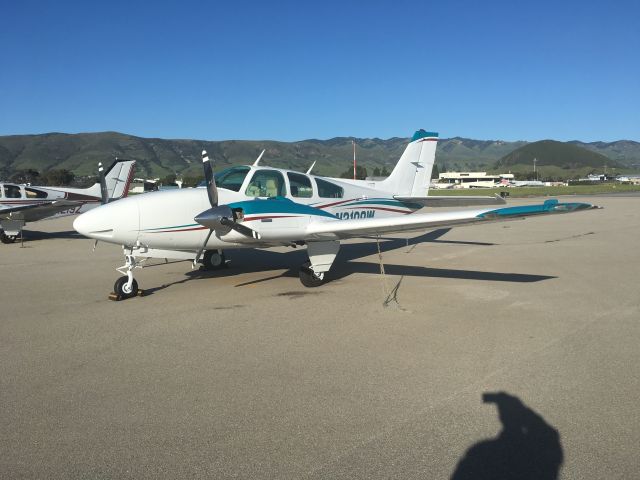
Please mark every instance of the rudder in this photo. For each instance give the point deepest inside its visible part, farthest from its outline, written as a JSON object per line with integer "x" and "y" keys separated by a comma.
{"x": 412, "y": 173}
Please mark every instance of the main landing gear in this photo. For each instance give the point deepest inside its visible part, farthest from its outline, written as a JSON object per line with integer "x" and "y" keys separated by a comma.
{"x": 321, "y": 256}
{"x": 213, "y": 260}
{"x": 308, "y": 277}
{"x": 4, "y": 238}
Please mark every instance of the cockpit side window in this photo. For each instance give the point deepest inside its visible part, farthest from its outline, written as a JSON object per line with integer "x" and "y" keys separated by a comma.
{"x": 266, "y": 183}
{"x": 231, "y": 178}
{"x": 33, "y": 193}
{"x": 12, "y": 191}
{"x": 300, "y": 185}
{"x": 328, "y": 189}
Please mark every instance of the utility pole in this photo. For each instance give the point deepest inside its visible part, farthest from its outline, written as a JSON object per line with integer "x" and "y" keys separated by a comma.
{"x": 535, "y": 173}
{"x": 353, "y": 142}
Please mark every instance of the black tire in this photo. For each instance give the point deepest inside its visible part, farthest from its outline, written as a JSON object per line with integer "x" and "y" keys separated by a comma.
{"x": 120, "y": 289}
{"x": 309, "y": 278}
{"x": 213, "y": 260}
{"x": 4, "y": 238}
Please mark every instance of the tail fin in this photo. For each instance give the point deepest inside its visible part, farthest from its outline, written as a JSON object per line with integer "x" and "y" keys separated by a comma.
{"x": 118, "y": 178}
{"x": 412, "y": 173}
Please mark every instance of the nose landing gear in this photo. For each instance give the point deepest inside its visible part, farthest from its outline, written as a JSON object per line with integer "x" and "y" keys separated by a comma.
{"x": 126, "y": 286}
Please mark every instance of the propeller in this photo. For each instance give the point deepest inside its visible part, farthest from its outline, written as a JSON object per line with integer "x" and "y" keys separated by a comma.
{"x": 104, "y": 193}
{"x": 218, "y": 216}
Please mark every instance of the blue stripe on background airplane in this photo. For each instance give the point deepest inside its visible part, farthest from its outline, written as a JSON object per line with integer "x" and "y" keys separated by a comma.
{"x": 257, "y": 206}
{"x": 20, "y": 204}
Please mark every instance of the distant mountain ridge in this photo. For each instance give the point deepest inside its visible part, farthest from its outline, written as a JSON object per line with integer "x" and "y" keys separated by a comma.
{"x": 556, "y": 160}
{"x": 81, "y": 152}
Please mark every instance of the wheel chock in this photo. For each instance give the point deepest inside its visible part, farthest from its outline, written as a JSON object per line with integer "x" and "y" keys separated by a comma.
{"x": 117, "y": 298}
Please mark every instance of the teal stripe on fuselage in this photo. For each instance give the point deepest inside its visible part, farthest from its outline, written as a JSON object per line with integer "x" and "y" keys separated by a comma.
{"x": 278, "y": 205}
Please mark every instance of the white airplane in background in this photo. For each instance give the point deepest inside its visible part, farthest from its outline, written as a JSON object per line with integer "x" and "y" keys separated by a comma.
{"x": 20, "y": 204}
{"x": 255, "y": 206}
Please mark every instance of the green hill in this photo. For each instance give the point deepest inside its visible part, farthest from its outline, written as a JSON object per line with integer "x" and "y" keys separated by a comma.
{"x": 555, "y": 159}
{"x": 80, "y": 153}
{"x": 159, "y": 157}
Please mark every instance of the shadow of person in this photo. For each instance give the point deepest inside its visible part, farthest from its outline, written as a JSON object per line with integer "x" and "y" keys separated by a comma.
{"x": 527, "y": 447}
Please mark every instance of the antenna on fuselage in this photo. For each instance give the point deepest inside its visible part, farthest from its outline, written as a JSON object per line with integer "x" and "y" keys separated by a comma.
{"x": 311, "y": 167}
{"x": 255, "y": 164}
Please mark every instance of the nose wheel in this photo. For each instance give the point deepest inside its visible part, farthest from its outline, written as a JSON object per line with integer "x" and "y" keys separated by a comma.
{"x": 122, "y": 288}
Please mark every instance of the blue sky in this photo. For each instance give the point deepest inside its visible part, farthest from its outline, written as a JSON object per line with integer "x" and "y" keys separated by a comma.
{"x": 295, "y": 70}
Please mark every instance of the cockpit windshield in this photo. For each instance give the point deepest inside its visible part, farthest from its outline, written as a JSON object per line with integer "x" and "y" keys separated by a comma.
{"x": 231, "y": 178}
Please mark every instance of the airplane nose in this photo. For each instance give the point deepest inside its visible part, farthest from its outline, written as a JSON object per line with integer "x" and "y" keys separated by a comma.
{"x": 92, "y": 224}
{"x": 116, "y": 222}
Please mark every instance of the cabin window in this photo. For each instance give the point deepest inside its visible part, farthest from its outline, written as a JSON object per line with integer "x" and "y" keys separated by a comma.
{"x": 12, "y": 191}
{"x": 33, "y": 193}
{"x": 300, "y": 185}
{"x": 231, "y": 178}
{"x": 266, "y": 183}
{"x": 328, "y": 189}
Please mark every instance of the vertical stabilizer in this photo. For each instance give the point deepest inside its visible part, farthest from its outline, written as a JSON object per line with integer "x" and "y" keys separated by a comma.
{"x": 412, "y": 173}
{"x": 118, "y": 178}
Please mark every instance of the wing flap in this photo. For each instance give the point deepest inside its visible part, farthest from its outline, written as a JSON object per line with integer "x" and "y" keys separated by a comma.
{"x": 453, "y": 200}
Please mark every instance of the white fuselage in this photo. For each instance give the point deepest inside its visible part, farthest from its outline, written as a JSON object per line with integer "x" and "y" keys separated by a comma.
{"x": 165, "y": 220}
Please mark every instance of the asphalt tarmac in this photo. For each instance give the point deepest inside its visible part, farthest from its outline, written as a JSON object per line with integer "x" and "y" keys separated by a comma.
{"x": 504, "y": 350}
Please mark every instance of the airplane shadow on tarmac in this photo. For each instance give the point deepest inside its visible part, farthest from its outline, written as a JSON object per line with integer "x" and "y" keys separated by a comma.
{"x": 34, "y": 235}
{"x": 526, "y": 448}
{"x": 257, "y": 260}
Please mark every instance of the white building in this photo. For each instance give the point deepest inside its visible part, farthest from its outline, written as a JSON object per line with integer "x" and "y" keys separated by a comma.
{"x": 472, "y": 180}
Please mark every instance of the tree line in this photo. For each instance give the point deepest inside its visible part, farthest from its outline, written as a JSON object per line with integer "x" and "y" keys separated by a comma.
{"x": 54, "y": 177}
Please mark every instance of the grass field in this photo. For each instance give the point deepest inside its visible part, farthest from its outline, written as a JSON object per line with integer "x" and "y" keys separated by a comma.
{"x": 515, "y": 192}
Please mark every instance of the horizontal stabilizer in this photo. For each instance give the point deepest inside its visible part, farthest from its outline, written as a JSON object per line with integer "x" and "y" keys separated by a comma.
{"x": 453, "y": 201}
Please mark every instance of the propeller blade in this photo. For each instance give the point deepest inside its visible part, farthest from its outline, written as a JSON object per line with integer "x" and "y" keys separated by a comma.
{"x": 104, "y": 193}
{"x": 238, "y": 227}
{"x": 212, "y": 190}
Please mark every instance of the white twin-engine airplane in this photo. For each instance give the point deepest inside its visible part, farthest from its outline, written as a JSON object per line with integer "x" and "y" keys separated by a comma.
{"x": 20, "y": 204}
{"x": 256, "y": 206}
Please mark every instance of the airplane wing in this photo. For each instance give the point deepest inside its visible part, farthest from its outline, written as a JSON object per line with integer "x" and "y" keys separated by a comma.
{"x": 453, "y": 201}
{"x": 341, "y": 229}
{"x": 5, "y": 210}
{"x": 31, "y": 213}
